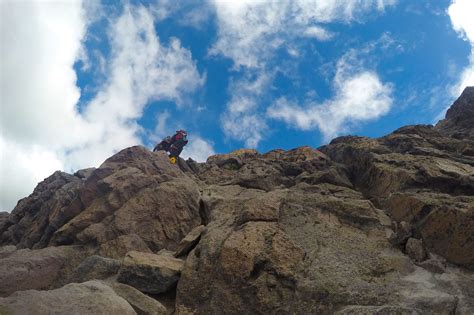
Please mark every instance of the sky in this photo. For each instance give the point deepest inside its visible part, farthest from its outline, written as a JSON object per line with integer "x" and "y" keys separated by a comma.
{"x": 81, "y": 81}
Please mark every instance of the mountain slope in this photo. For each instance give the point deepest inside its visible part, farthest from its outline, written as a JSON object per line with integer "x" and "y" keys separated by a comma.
{"x": 362, "y": 225}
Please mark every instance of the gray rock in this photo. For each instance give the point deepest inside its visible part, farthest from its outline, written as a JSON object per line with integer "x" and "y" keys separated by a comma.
{"x": 414, "y": 248}
{"x": 7, "y": 250}
{"x": 189, "y": 241}
{"x": 36, "y": 269}
{"x": 404, "y": 232}
{"x": 150, "y": 273}
{"x": 3, "y": 218}
{"x": 141, "y": 303}
{"x": 92, "y": 297}
{"x": 36, "y": 218}
{"x": 84, "y": 173}
{"x": 434, "y": 263}
{"x": 95, "y": 267}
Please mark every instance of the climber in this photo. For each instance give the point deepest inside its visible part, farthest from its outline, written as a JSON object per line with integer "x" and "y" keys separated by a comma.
{"x": 174, "y": 145}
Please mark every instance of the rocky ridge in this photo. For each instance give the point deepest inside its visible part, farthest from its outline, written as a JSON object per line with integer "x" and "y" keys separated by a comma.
{"x": 359, "y": 226}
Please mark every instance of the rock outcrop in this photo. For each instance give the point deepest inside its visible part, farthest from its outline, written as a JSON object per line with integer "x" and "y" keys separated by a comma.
{"x": 460, "y": 118}
{"x": 90, "y": 297}
{"x": 150, "y": 273}
{"x": 358, "y": 226}
{"x": 36, "y": 269}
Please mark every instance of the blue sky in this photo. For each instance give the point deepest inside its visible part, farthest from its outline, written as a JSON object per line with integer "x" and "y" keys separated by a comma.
{"x": 81, "y": 81}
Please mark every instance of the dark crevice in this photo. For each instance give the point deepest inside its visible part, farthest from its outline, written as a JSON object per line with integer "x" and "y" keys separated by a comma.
{"x": 258, "y": 268}
{"x": 424, "y": 212}
{"x": 204, "y": 212}
{"x": 168, "y": 298}
{"x": 455, "y": 307}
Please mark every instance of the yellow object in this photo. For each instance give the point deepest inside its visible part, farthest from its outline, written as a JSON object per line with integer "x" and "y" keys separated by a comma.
{"x": 173, "y": 160}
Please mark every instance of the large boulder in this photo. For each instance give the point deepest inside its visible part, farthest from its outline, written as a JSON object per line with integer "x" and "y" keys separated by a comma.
{"x": 444, "y": 222}
{"x": 302, "y": 250}
{"x": 95, "y": 267}
{"x": 150, "y": 273}
{"x": 141, "y": 303}
{"x": 37, "y": 269}
{"x": 92, "y": 297}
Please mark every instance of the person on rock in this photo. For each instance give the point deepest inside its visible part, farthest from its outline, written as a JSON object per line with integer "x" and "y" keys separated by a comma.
{"x": 174, "y": 145}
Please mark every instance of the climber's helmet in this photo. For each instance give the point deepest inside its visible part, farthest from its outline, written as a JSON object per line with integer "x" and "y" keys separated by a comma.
{"x": 181, "y": 134}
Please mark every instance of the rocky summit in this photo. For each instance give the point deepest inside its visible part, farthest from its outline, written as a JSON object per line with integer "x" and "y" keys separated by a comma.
{"x": 358, "y": 226}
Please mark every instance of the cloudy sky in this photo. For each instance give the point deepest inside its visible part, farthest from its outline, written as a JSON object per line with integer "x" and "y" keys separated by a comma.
{"x": 82, "y": 80}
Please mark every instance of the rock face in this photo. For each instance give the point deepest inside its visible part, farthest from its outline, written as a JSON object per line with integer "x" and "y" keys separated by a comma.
{"x": 91, "y": 297}
{"x": 460, "y": 118}
{"x": 36, "y": 269}
{"x": 189, "y": 241}
{"x": 141, "y": 303}
{"x": 35, "y": 218}
{"x": 414, "y": 249}
{"x": 95, "y": 267}
{"x": 359, "y": 226}
{"x": 150, "y": 273}
{"x": 133, "y": 201}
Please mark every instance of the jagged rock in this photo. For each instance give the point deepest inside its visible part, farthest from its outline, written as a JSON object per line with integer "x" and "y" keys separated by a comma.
{"x": 37, "y": 269}
{"x": 189, "y": 241}
{"x": 7, "y": 250}
{"x": 237, "y": 155}
{"x": 421, "y": 176}
{"x": 111, "y": 209}
{"x": 302, "y": 231}
{"x": 92, "y": 297}
{"x": 149, "y": 272}
{"x": 3, "y": 219}
{"x": 414, "y": 249}
{"x": 403, "y": 232}
{"x": 459, "y": 119}
{"x": 135, "y": 192}
{"x": 84, "y": 173}
{"x": 134, "y": 200}
{"x": 445, "y": 223}
{"x": 95, "y": 267}
{"x": 141, "y": 303}
{"x": 35, "y": 218}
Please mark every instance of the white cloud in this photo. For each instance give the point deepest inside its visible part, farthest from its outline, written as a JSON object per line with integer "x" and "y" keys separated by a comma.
{"x": 319, "y": 33}
{"x": 142, "y": 70}
{"x": 41, "y": 129}
{"x": 242, "y": 120}
{"x": 251, "y": 32}
{"x": 359, "y": 96}
{"x": 38, "y": 92}
{"x": 21, "y": 167}
{"x": 37, "y": 81}
{"x": 244, "y": 127}
{"x": 198, "y": 149}
{"x": 461, "y": 14}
